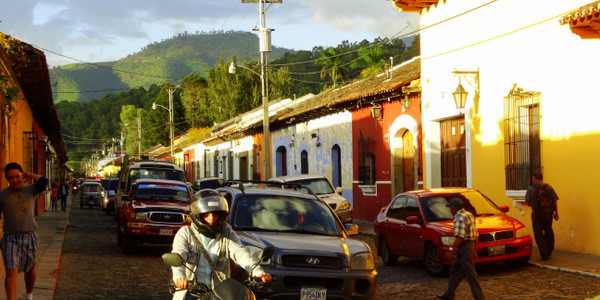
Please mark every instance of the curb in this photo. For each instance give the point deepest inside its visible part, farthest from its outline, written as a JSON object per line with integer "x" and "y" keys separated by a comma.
{"x": 566, "y": 270}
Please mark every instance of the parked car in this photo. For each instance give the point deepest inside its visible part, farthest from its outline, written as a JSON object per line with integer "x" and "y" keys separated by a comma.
{"x": 90, "y": 194}
{"x": 417, "y": 224}
{"x": 324, "y": 189}
{"x": 314, "y": 251}
{"x": 108, "y": 201}
{"x": 154, "y": 212}
{"x": 207, "y": 183}
{"x": 140, "y": 169}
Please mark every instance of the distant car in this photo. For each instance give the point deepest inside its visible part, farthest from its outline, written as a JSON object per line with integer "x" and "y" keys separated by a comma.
{"x": 314, "y": 252}
{"x": 154, "y": 212}
{"x": 207, "y": 183}
{"x": 417, "y": 224}
{"x": 108, "y": 201}
{"x": 90, "y": 194}
{"x": 321, "y": 186}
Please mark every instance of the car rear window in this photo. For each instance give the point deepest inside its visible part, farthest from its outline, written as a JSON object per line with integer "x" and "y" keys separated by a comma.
{"x": 156, "y": 173}
{"x": 90, "y": 187}
{"x": 162, "y": 192}
{"x": 317, "y": 185}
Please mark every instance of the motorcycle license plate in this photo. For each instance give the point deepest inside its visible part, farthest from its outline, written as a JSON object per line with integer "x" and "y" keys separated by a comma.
{"x": 496, "y": 250}
{"x": 165, "y": 232}
{"x": 311, "y": 293}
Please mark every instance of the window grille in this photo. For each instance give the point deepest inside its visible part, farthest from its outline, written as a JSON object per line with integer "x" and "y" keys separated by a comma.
{"x": 28, "y": 152}
{"x": 522, "y": 155}
{"x": 304, "y": 162}
{"x": 366, "y": 172}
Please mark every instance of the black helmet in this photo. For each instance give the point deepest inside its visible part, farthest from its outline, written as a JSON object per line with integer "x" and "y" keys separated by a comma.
{"x": 205, "y": 201}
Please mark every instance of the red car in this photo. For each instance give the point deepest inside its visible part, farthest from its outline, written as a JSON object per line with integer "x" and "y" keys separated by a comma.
{"x": 153, "y": 213}
{"x": 417, "y": 224}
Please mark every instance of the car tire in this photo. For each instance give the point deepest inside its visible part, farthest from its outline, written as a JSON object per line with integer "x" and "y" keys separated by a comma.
{"x": 129, "y": 244}
{"x": 119, "y": 236}
{"x": 432, "y": 263}
{"x": 388, "y": 258}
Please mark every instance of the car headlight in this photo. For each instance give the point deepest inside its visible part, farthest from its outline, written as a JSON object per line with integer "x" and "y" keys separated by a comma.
{"x": 448, "y": 240}
{"x": 140, "y": 216}
{"x": 521, "y": 233}
{"x": 363, "y": 261}
{"x": 256, "y": 253}
{"x": 344, "y": 205}
{"x": 103, "y": 194}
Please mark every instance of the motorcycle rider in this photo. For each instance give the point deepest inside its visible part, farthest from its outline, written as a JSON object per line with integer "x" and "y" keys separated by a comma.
{"x": 209, "y": 234}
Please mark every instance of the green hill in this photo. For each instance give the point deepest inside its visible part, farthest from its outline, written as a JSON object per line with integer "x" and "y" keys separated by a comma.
{"x": 165, "y": 61}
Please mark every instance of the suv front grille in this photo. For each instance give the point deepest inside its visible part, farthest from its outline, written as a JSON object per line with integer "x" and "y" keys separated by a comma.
{"x": 496, "y": 236}
{"x": 164, "y": 217}
{"x": 309, "y": 261}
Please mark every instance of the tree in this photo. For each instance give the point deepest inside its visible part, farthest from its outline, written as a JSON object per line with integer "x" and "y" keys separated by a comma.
{"x": 129, "y": 121}
{"x": 332, "y": 66}
{"x": 194, "y": 99}
{"x": 224, "y": 93}
{"x": 371, "y": 60}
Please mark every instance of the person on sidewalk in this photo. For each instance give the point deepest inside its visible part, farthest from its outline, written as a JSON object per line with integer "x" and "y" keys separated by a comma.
{"x": 63, "y": 193}
{"x": 465, "y": 233}
{"x": 19, "y": 244}
{"x": 54, "y": 196}
{"x": 542, "y": 199}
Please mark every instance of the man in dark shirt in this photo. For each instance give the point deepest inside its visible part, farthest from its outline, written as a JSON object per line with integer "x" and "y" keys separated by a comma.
{"x": 19, "y": 244}
{"x": 542, "y": 212}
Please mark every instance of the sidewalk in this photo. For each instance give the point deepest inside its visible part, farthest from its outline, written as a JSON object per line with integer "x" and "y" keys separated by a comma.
{"x": 565, "y": 261}
{"x": 51, "y": 234}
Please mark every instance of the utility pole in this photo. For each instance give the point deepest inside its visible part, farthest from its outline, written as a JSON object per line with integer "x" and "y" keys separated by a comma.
{"x": 264, "y": 47}
{"x": 139, "y": 122}
{"x": 171, "y": 123}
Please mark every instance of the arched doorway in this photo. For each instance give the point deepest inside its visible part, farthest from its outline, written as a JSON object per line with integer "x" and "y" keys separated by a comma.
{"x": 280, "y": 161}
{"x": 403, "y": 162}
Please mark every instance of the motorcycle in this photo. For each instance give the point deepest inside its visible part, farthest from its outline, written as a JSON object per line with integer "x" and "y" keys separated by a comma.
{"x": 229, "y": 289}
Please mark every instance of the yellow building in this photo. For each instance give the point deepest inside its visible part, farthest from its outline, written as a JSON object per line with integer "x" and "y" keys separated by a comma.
{"x": 529, "y": 70}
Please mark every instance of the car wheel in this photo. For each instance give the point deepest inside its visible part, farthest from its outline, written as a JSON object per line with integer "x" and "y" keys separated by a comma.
{"x": 388, "y": 258}
{"x": 119, "y": 236}
{"x": 128, "y": 244}
{"x": 432, "y": 262}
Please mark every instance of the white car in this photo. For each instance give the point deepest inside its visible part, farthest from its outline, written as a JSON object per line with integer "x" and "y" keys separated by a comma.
{"x": 321, "y": 186}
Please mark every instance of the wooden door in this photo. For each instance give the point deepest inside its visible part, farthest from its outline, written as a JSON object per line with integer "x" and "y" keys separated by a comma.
{"x": 453, "y": 150}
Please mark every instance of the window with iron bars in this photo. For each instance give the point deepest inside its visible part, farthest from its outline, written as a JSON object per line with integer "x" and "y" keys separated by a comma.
{"x": 522, "y": 145}
{"x": 366, "y": 172}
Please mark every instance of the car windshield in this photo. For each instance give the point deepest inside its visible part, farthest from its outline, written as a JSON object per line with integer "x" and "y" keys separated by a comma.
{"x": 317, "y": 185}
{"x": 91, "y": 187}
{"x": 284, "y": 214}
{"x": 162, "y": 192}
{"x": 156, "y": 173}
{"x": 434, "y": 207}
{"x": 113, "y": 184}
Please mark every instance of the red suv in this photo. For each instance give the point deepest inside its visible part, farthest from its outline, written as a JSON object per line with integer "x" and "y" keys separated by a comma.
{"x": 153, "y": 212}
{"x": 417, "y": 224}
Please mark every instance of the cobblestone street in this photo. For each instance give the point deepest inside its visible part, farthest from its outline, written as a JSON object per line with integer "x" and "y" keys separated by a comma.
{"x": 94, "y": 267}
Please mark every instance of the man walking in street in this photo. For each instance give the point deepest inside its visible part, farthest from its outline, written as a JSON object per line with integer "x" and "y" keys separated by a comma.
{"x": 63, "y": 193}
{"x": 465, "y": 234}
{"x": 19, "y": 244}
{"x": 542, "y": 199}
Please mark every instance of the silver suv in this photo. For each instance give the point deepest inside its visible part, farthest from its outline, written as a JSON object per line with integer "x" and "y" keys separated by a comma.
{"x": 321, "y": 186}
{"x": 314, "y": 252}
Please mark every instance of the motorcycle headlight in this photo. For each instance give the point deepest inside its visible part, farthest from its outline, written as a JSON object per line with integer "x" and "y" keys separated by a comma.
{"x": 363, "y": 261}
{"x": 256, "y": 253}
{"x": 344, "y": 205}
{"x": 448, "y": 240}
{"x": 140, "y": 216}
{"x": 521, "y": 233}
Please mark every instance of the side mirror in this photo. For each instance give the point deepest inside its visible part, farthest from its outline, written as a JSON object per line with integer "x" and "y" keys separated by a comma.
{"x": 267, "y": 253}
{"x": 172, "y": 259}
{"x": 339, "y": 190}
{"x": 504, "y": 208}
{"x": 352, "y": 229}
{"x": 412, "y": 220}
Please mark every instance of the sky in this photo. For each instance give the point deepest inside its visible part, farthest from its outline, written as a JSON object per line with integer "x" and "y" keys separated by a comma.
{"x": 107, "y": 30}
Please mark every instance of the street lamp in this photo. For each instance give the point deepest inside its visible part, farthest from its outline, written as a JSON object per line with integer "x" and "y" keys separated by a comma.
{"x": 265, "y": 105}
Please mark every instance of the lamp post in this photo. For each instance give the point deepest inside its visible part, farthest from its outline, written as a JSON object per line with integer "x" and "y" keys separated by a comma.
{"x": 264, "y": 47}
{"x": 171, "y": 90}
